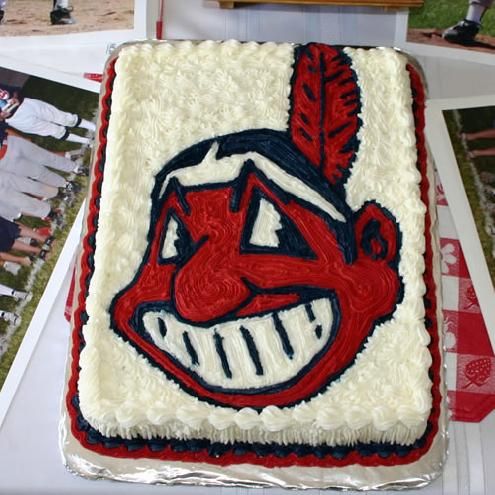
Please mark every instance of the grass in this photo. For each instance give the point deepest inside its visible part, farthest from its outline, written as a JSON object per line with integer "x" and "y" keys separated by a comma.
{"x": 474, "y": 119}
{"x": 83, "y": 103}
{"x": 440, "y": 14}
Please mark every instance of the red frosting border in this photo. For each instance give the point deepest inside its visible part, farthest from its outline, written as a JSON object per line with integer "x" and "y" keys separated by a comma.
{"x": 270, "y": 460}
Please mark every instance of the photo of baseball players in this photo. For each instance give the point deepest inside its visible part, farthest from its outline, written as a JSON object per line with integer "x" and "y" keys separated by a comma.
{"x": 61, "y": 13}
{"x": 47, "y": 17}
{"x": 458, "y": 24}
{"x": 46, "y": 135}
{"x": 472, "y": 134}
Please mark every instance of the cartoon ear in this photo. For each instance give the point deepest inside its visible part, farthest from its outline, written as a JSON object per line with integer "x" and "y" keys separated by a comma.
{"x": 325, "y": 106}
{"x": 377, "y": 233}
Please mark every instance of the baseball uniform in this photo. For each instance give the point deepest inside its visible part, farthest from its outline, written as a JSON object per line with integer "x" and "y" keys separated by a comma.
{"x": 27, "y": 205}
{"x": 485, "y": 3}
{"x": 61, "y": 4}
{"x": 10, "y": 317}
{"x": 34, "y": 116}
{"x": 24, "y": 158}
{"x": 27, "y": 186}
{"x": 9, "y": 211}
{"x": 5, "y": 290}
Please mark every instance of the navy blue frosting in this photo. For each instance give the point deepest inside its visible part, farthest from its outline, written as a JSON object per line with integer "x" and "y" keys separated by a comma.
{"x": 216, "y": 449}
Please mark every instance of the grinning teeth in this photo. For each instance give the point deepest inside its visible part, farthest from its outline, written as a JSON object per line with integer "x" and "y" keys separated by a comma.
{"x": 248, "y": 352}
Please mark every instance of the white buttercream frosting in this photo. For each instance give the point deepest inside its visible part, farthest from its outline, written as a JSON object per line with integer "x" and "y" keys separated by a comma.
{"x": 220, "y": 88}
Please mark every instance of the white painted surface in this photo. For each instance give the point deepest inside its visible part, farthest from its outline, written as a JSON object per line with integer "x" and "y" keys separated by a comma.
{"x": 30, "y": 459}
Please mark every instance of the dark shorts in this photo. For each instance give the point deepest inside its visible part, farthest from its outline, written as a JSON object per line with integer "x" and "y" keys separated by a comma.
{"x": 9, "y": 232}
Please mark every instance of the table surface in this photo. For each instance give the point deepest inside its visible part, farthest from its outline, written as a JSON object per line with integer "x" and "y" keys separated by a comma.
{"x": 30, "y": 461}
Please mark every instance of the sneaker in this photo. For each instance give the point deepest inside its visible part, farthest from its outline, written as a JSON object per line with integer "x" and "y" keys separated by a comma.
{"x": 67, "y": 199}
{"x": 20, "y": 295}
{"x": 75, "y": 154}
{"x": 61, "y": 16}
{"x": 81, "y": 169}
{"x": 2, "y": 15}
{"x": 72, "y": 187}
{"x": 54, "y": 215}
{"x": 10, "y": 317}
{"x": 12, "y": 267}
{"x": 48, "y": 242}
{"x": 43, "y": 254}
{"x": 78, "y": 165}
{"x": 463, "y": 33}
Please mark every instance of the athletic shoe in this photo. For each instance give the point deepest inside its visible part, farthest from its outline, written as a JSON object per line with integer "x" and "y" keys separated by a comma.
{"x": 48, "y": 243}
{"x": 61, "y": 16}
{"x": 11, "y": 267}
{"x": 463, "y": 33}
{"x": 43, "y": 254}
{"x": 2, "y": 15}
{"x": 54, "y": 215}
{"x": 10, "y": 317}
{"x": 81, "y": 169}
{"x": 75, "y": 154}
{"x": 78, "y": 165}
{"x": 20, "y": 295}
{"x": 72, "y": 187}
{"x": 67, "y": 199}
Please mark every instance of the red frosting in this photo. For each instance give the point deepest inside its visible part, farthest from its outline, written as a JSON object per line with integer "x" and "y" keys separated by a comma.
{"x": 270, "y": 460}
{"x": 213, "y": 283}
{"x": 325, "y": 105}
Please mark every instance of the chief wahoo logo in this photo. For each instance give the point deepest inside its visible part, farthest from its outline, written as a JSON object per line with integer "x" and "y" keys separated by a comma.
{"x": 260, "y": 285}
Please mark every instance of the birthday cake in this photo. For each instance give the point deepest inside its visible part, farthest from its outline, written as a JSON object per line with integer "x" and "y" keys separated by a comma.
{"x": 257, "y": 279}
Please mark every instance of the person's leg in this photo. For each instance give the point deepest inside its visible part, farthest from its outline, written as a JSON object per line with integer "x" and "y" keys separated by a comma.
{"x": 25, "y": 149}
{"x": 28, "y": 186}
{"x": 27, "y": 205}
{"x": 32, "y": 117}
{"x": 10, "y": 317}
{"x": 9, "y": 211}
{"x": 61, "y": 13}
{"x": 12, "y": 258}
{"x": 42, "y": 118}
{"x": 16, "y": 294}
{"x": 477, "y": 9}
{"x": 5, "y": 290}
{"x": 25, "y": 248}
{"x": 484, "y": 134}
{"x": 40, "y": 173}
{"x": 33, "y": 234}
{"x": 483, "y": 152}
{"x": 3, "y": 4}
{"x": 465, "y": 31}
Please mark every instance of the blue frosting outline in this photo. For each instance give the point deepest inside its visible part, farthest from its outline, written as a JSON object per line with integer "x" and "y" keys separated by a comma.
{"x": 276, "y": 146}
{"x": 215, "y": 449}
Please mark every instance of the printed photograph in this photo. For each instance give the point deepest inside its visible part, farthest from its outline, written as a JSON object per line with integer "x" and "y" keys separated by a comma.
{"x": 46, "y": 135}
{"x": 46, "y": 17}
{"x": 472, "y": 133}
{"x": 458, "y": 24}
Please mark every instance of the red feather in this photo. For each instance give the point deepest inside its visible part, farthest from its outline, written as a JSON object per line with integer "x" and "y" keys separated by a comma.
{"x": 325, "y": 109}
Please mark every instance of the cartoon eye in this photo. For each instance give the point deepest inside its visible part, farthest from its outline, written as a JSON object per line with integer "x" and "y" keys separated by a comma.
{"x": 269, "y": 230}
{"x": 266, "y": 226}
{"x": 176, "y": 241}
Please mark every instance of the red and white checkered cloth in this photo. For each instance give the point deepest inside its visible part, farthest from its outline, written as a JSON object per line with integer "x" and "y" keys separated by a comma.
{"x": 470, "y": 358}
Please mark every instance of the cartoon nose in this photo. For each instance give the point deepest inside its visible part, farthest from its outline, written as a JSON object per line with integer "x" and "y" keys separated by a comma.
{"x": 208, "y": 291}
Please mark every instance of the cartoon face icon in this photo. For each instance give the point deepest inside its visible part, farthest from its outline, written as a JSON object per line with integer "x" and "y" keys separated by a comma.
{"x": 259, "y": 285}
